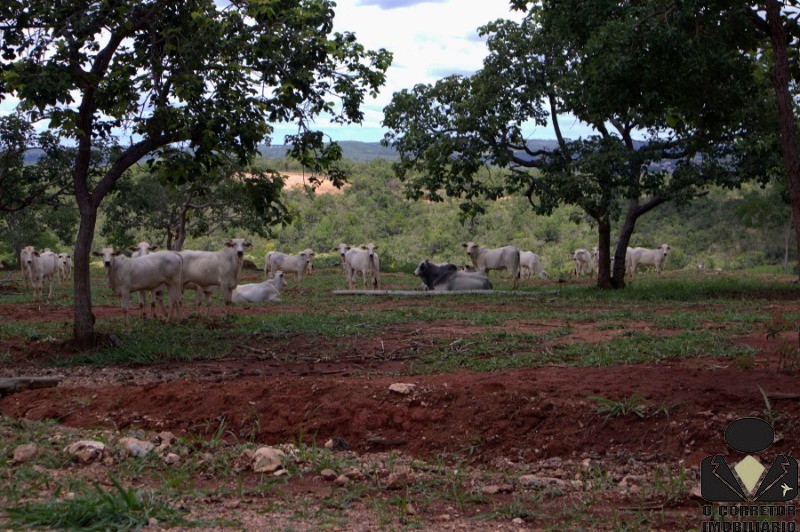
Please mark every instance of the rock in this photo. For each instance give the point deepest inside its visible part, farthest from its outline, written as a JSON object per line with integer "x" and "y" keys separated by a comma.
{"x": 136, "y": 447}
{"x": 402, "y": 388}
{"x": 341, "y": 480}
{"x": 518, "y": 521}
{"x": 232, "y": 504}
{"x": 165, "y": 438}
{"x": 171, "y": 459}
{"x": 267, "y": 460}
{"x": 328, "y": 474}
{"x": 399, "y": 478}
{"x": 355, "y": 474}
{"x": 490, "y": 490}
{"x": 25, "y": 453}
{"x": 543, "y": 482}
{"x": 337, "y": 444}
{"x": 86, "y": 451}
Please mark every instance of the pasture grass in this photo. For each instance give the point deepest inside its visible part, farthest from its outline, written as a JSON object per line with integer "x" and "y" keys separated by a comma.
{"x": 703, "y": 313}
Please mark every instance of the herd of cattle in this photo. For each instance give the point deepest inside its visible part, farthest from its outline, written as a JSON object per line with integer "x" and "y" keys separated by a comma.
{"x": 150, "y": 272}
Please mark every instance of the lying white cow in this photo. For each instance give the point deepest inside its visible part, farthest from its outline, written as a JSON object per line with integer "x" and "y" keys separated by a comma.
{"x": 583, "y": 262}
{"x": 302, "y": 262}
{"x": 363, "y": 260}
{"x": 269, "y": 290}
{"x": 530, "y": 261}
{"x": 127, "y": 275}
{"x": 649, "y": 257}
{"x": 485, "y": 259}
{"x": 64, "y": 266}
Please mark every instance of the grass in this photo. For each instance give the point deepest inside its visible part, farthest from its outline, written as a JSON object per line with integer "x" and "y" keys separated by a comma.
{"x": 96, "y": 508}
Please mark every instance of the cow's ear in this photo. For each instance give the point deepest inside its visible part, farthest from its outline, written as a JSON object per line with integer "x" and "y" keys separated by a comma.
{"x": 312, "y": 253}
{"x": 374, "y": 247}
{"x": 229, "y": 244}
{"x": 133, "y": 249}
{"x": 463, "y": 244}
{"x": 116, "y": 254}
{"x": 97, "y": 254}
{"x": 248, "y": 245}
{"x": 363, "y": 247}
{"x": 36, "y": 254}
{"x": 154, "y": 248}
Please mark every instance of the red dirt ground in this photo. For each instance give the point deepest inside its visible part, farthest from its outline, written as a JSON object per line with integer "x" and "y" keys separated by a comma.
{"x": 521, "y": 414}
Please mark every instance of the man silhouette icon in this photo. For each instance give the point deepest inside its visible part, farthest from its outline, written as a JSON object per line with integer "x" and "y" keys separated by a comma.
{"x": 748, "y": 480}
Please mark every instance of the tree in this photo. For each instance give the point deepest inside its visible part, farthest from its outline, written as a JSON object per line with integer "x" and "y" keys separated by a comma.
{"x": 622, "y": 69}
{"x": 166, "y": 212}
{"x": 33, "y": 167}
{"x": 779, "y": 22}
{"x": 210, "y": 80}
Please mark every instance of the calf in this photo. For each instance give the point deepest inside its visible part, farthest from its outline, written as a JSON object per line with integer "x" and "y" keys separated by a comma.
{"x": 269, "y": 290}
{"x": 530, "y": 261}
{"x": 127, "y": 275}
{"x": 302, "y": 262}
{"x": 448, "y": 277}
{"x": 485, "y": 259}
{"x": 363, "y": 260}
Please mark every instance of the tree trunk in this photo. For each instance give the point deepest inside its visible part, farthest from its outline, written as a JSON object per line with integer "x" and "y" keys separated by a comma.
{"x": 604, "y": 258}
{"x": 783, "y": 98}
{"x": 786, "y": 243}
{"x": 84, "y": 318}
{"x": 618, "y": 279}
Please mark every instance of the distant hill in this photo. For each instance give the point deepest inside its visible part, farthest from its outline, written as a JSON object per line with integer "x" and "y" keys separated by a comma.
{"x": 359, "y": 152}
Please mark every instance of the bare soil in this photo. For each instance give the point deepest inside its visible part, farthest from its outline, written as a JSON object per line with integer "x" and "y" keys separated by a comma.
{"x": 340, "y": 388}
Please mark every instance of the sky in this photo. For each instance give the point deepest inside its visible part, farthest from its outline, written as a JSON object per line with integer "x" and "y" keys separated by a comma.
{"x": 430, "y": 39}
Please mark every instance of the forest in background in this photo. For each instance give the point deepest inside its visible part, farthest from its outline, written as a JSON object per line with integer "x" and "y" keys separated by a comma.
{"x": 726, "y": 229}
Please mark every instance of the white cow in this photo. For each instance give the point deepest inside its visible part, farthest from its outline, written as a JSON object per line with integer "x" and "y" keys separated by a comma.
{"x": 583, "y": 261}
{"x": 127, "y": 275}
{"x": 649, "y": 257}
{"x": 485, "y": 259}
{"x": 42, "y": 266}
{"x": 144, "y": 248}
{"x": 299, "y": 263}
{"x": 210, "y": 270}
{"x": 269, "y": 290}
{"x": 24, "y": 265}
{"x": 363, "y": 260}
{"x": 341, "y": 249}
{"x": 64, "y": 266}
{"x": 530, "y": 261}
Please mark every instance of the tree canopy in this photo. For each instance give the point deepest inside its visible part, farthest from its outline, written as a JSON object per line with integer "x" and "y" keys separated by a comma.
{"x": 210, "y": 79}
{"x": 659, "y": 71}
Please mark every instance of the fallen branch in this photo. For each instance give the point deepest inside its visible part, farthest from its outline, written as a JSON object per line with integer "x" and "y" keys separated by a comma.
{"x": 16, "y": 384}
{"x": 783, "y": 395}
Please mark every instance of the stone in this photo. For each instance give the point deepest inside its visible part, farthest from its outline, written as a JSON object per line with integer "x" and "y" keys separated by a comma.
{"x": 543, "y": 482}
{"x": 136, "y": 447}
{"x": 171, "y": 459}
{"x": 399, "y": 478}
{"x": 267, "y": 460}
{"x": 328, "y": 474}
{"x": 402, "y": 388}
{"x": 341, "y": 480}
{"x": 25, "y": 453}
{"x": 86, "y": 451}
